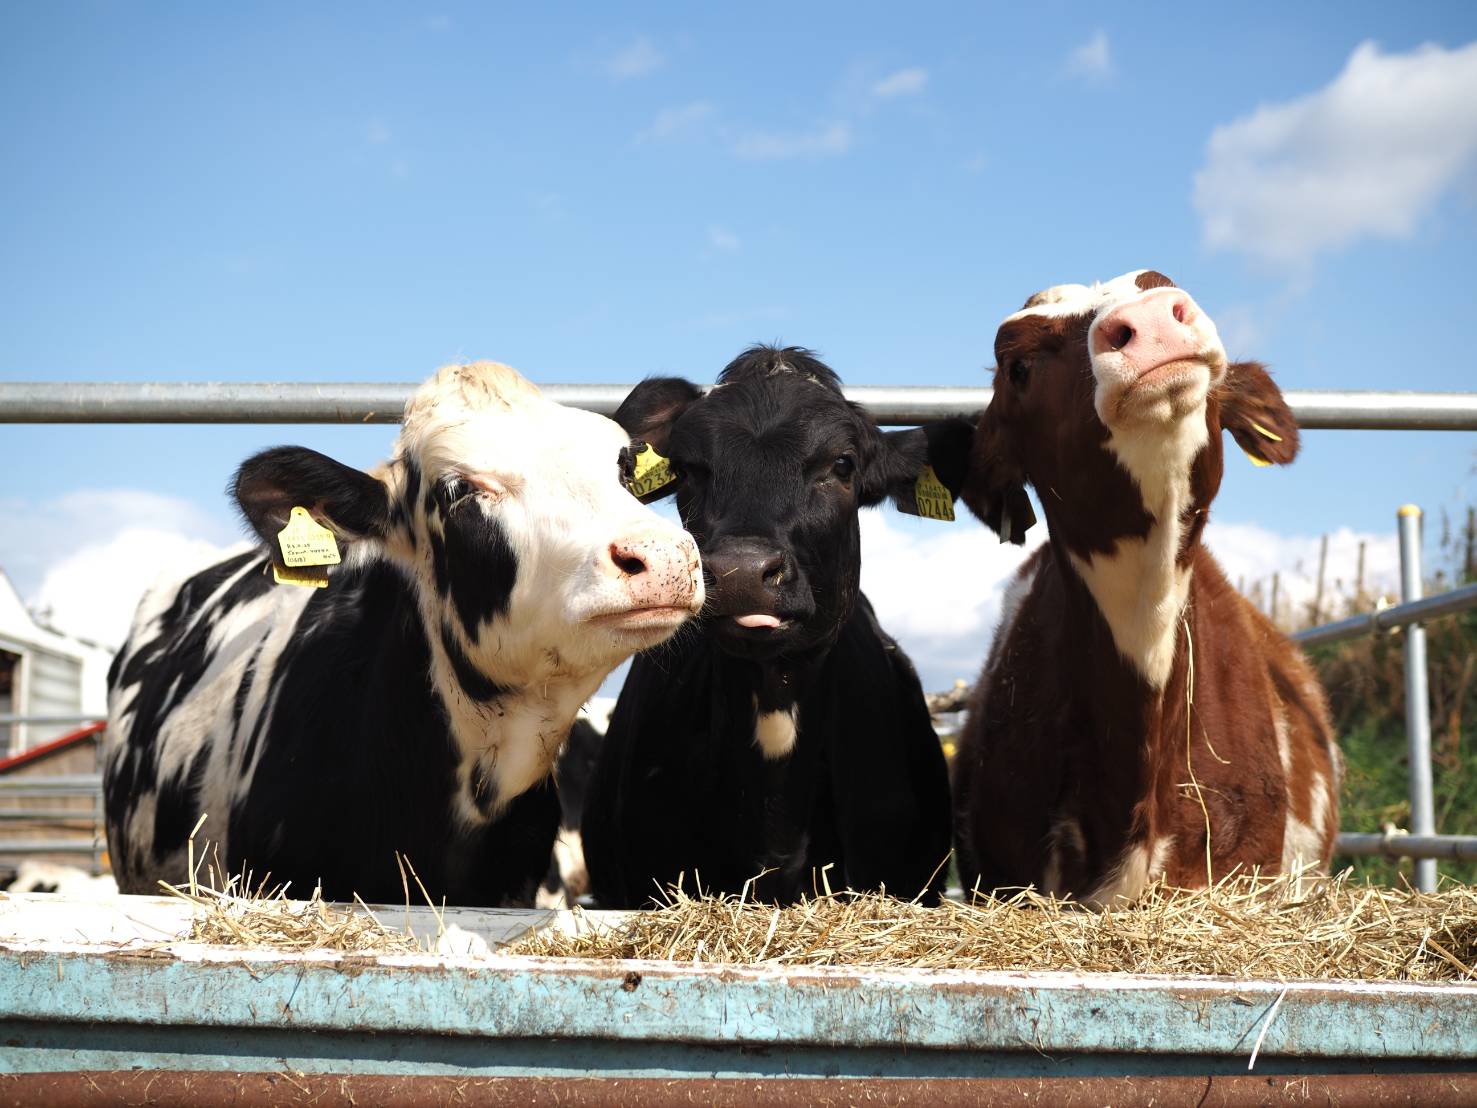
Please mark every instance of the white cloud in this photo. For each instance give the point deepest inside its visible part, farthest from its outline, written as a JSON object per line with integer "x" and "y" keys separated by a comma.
{"x": 937, "y": 588}
{"x": 678, "y": 122}
{"x": 722, "y": 239}
{"x": 1093, "y": 60}
{"x": 93, "y": 592}
{"x": 637, "y": 60}
{"x": 1368, "y": 155}
{"x": 87, "y": 556}
{"x": 905, "y": 82}
{"x": 826, "y": 141}
{"x": 1251, "y": 554}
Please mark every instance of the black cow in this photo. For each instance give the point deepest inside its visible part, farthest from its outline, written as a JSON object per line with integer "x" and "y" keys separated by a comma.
{"x": 496, "y": 569}
{"x": 788, "y": 734}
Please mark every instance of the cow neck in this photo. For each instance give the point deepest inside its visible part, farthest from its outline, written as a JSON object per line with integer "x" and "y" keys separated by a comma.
{"x": 1140, "y": 579}
{"x": 777, "y": 687}
{"x": 1130, "y": 757}
{"x": 507, "y": 729}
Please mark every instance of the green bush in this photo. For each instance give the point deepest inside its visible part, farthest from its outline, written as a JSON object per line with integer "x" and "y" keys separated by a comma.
{"x": 1366, "y": 691}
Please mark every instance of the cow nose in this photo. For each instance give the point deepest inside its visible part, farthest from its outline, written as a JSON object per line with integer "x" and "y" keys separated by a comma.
{"x": 746, "y": 575}
{"x": 656, "y": 569}
{"x": 1151, "y": 330}
{"x": 628, "y": 558}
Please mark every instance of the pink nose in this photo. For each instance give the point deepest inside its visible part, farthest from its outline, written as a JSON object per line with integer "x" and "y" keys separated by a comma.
{"x": 1152, "y": 331}
{"x": 656, "y": 570}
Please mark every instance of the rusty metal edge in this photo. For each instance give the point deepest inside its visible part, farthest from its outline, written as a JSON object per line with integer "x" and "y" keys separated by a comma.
{"x": 168, "y": 1089}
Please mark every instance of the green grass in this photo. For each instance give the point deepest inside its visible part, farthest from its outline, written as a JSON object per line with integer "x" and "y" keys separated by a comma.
{"x": 1366, "y": 689}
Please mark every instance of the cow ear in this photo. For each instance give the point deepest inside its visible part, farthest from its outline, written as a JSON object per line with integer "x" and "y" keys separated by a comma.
{"x": 348, "y": 501}
{"x": 1254, "y": 411}
{"x": 651, "y": 409}
{"x": 995, "y": 486}
{"x": 905, "y": 456}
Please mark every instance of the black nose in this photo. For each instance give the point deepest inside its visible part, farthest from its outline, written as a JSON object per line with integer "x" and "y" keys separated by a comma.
{"x": 747, "y": 575}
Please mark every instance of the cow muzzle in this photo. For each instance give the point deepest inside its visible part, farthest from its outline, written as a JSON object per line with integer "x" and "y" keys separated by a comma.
{"x": 654, "y": 579}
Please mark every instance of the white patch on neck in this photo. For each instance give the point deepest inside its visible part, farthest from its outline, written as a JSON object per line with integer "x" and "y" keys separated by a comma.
{"x": 1137, "y": 867}
{"x": 515, "y": 739}
{"x": 1140, "y": 588}
{"x": 775, "y": 732}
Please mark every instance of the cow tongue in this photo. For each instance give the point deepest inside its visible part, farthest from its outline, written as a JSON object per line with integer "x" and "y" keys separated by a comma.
{"x": 756, "y": 619}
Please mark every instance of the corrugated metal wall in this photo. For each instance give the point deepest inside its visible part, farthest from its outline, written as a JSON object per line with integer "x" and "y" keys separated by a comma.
{"x": 53, "y": 688}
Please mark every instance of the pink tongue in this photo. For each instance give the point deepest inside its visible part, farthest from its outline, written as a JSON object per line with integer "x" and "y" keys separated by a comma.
{"x": 757, "y": 619}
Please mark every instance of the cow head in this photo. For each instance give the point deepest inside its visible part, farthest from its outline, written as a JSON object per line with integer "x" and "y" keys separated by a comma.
{"x": 1109, "y": 400}
{"x": 771, "y": 467}
{"x": 510, "y": 516}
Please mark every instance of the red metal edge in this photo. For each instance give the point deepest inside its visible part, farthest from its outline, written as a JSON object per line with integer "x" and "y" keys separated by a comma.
{"x": 69, "y": 739}
{"x": 329, "y": 1090}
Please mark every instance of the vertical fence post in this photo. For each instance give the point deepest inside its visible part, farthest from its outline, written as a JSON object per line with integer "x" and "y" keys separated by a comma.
{"x": 1417, "y": 698}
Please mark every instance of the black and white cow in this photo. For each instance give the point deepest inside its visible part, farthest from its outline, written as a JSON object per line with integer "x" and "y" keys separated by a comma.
{"x": 789, "y": 733}
{"x": 497, "y": 568}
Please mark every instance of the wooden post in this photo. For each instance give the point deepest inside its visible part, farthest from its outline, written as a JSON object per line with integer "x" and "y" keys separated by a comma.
{"x": 1276, "y": 581}
{"x": 1318, "y": 592}
{"x": 1470, "y": 562}
{"x": 1359, "y": 580}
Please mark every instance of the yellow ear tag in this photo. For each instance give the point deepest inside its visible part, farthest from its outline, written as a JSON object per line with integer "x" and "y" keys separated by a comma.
{"x": 306, "y": 542}
{"x": 652, "y": 472}
{"x": 1260, "y": 463}
{"x": 1264, "y": 433}
{"x": 310, "y": 577}
{"x": 934, "y": 499}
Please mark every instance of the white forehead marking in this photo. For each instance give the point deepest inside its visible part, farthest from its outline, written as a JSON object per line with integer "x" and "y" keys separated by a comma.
{"x": 487, "y": 418}
{"x": 1068, "y": 300}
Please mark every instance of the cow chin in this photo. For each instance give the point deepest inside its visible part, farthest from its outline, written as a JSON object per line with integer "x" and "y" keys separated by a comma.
{"x": 640, "y": 628}
{"x": 1166, "y": 394}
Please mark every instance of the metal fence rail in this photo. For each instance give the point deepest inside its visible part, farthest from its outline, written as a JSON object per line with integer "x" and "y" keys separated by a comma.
{"x": 1423, "y": 844}
{"x": 28, "y": 788}
{"x": 372, "y": 402}
{"x": 1388, "y": 619}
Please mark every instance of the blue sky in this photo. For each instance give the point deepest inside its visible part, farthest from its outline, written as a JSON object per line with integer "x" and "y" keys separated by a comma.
{"x": 593, "y": 194}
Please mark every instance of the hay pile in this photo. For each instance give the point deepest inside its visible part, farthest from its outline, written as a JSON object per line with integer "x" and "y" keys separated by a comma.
{"x": 235, "y": 910}
{"x": 268, "y": 919}
{"x": 1263, "y": 927}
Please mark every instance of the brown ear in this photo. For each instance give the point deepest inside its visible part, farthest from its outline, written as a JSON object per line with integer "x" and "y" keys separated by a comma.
{"x": 995, "y": 487}
{"x": 1253, "y": 410}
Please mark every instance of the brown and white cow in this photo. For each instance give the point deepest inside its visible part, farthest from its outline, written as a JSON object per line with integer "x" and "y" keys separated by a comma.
{"x": 1133, "y": 703}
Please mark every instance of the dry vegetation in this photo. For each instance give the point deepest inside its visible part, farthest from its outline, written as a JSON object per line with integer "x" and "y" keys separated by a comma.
{"x": 1280, "y": 927}
{"x": 1285, "y": 927}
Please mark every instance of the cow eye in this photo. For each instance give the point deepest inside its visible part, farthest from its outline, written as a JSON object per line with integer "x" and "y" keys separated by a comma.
{"x": 626, "y": 464}
{"x": 1019, "y": 372}
{"x": 451, "y": 491}
{"x": 844, "y": 467}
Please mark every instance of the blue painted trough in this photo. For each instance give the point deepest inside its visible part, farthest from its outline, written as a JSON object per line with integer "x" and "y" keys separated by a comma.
{"x": 109, "y": 986}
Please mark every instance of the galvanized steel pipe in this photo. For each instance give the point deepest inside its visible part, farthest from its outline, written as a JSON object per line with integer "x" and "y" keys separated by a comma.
{"x": 371, "y": 402}
{"x": 1417, "y": 697}
{"x": 1401, "y": 845}
{"x": 1387, "y": 619}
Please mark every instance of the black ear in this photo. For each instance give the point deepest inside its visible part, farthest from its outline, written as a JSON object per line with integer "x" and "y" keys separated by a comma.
{"x": 1254, "y": 411}
{"x": 903, "y": 456}
{"x": 995, "y": 486}
{"x": 348, "y": 501}
{"x": 653, "y": 406}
